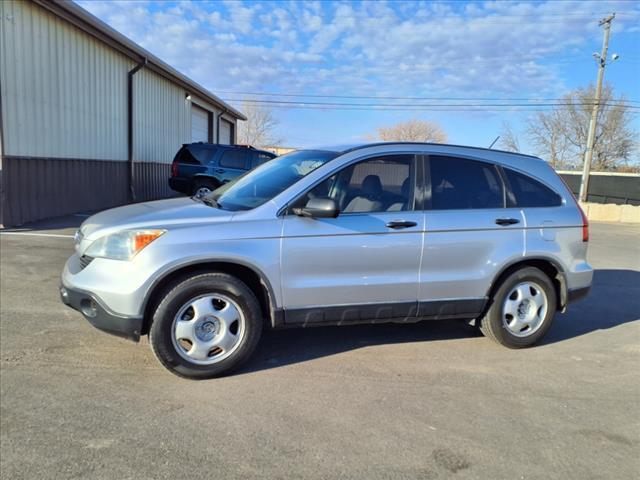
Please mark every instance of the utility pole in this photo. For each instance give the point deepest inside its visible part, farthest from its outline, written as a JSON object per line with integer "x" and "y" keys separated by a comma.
{"x": 588, "y": 154}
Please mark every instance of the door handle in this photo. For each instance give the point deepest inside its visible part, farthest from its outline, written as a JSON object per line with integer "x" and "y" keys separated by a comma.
{"x": 401, "y": 224}
{"x": 506, "y": 221}
{"x": 219, "y": 170}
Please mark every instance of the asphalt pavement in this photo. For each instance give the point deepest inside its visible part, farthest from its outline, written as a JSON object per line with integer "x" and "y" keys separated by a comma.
{"x": 427, "y": 401}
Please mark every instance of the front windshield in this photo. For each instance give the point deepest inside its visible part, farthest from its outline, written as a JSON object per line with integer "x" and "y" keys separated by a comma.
{"x": 261, "y": 184}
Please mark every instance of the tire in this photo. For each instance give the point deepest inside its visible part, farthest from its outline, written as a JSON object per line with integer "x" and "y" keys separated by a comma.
{"x": 203, "y": 187}
{"x": 200, "y": 310}
{"x": 522, "y": 309}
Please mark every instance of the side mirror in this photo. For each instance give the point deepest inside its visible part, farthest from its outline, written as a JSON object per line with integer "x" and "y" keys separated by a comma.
{"x": 318, "y": 208}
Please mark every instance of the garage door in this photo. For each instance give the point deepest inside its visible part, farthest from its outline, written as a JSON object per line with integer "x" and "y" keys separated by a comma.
{"x": 199, "y": 124}
{"x": 226, "y": 132}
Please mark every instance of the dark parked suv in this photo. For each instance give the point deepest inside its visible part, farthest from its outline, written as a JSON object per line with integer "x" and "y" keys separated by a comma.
{"x": 200, "y": 168}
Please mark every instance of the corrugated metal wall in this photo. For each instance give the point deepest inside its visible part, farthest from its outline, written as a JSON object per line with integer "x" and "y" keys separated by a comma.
{"x": 64, "y": 97}
{"x": 162, "y": 118}
{"x": 63, "y": 92}
{"x": 162, "y": 123}
{"x": 37, "y": 188}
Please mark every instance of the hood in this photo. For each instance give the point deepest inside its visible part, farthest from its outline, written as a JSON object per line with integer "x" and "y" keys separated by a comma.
{"x": 158, "y": 214}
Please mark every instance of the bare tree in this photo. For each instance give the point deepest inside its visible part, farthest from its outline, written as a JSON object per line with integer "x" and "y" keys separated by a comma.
{"x": 259, "y": 128}
{"x": 508, "y": 138}
{"x": 413, "y": 131}
{"x": 562, "y": 133}
{"x": 547, "y": 132}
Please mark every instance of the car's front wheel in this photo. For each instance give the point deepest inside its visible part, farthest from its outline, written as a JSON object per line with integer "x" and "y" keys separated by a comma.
{"x": 206, "y": 325}
{"x": 522, "y": 309}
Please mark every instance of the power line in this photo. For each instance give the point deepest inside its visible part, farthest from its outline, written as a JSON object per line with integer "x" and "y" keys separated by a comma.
{"x": 414, "y": 109}
{"x": 482, "y": 15}
{"x": 341, "y": 104}
{"x": 376, "y": 97}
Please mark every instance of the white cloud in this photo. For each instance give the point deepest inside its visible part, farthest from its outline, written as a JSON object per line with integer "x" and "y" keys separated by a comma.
{"x": 377, "y": 48}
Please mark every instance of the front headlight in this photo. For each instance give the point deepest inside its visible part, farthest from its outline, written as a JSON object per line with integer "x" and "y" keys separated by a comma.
{"x": 122, "y": 245}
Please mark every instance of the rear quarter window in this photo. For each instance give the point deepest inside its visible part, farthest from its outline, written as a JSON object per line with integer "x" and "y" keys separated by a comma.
{"x": 528, "y": 192}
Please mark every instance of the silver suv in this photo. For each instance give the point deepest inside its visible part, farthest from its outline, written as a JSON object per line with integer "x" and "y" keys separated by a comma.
{"x": 391, "y": 232}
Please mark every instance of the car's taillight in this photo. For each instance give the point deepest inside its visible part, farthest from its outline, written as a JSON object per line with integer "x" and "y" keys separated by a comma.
{"x": 585, "y": 225}
{"x": 174, "y": 169}
{"x": 585, "y": 220}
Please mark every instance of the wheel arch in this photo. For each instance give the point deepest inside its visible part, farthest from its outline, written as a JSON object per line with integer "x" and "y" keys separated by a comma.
{"x": 252, "y": 276}
{"x": 551, "y": 267}
{"x": 206, "y": 177}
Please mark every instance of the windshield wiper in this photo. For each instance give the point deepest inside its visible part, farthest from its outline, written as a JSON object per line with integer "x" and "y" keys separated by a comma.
{"x": 210, "y": 202}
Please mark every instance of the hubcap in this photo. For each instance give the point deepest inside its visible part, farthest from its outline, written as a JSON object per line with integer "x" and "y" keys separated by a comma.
{"x": 207, "y": 329}
{"x": 202, "y": 192}
{"x": 524, "y": 309}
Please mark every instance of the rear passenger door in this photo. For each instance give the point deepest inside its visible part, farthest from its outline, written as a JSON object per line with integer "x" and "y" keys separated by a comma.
{"x": 469, "y": 235}
{"x": 232, "y": 163}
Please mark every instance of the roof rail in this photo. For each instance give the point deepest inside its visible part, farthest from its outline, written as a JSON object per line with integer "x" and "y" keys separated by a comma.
{"x": 377, "y": 144}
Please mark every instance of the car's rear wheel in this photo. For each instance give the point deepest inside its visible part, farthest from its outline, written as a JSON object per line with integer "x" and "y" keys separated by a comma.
{"x": 206, "y": 326}
{"x": 522, "y": 309}
{"x": 202, "y": 188}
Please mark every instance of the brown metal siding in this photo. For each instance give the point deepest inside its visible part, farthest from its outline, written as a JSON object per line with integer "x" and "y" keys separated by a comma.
{"x": 152, "y": 181}
{"x": 38, "y": 188}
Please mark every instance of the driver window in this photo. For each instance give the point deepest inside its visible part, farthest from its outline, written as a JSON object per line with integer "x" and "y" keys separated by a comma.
{"x": 380, "y": 184}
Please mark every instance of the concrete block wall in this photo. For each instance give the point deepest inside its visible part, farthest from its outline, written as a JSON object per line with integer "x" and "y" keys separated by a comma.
{"x": 609, "y": 212}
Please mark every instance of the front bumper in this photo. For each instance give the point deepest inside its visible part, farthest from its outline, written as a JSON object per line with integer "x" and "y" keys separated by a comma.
{"x": 99, "y": 316}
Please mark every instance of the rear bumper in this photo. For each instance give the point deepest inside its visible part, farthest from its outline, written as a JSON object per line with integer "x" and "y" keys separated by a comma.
{"x": 181, "y": 185}
{"x": 99, "y": 316}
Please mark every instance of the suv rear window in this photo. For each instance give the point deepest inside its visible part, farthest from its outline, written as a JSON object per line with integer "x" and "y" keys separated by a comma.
{"x": 234, "y": 159}
{"x": 459, "y": 183}
{"x": 195, "y": 154}
{"x": 529, "y": 192}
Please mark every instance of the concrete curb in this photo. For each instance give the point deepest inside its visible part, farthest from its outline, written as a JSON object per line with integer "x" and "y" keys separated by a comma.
{"x": 609, "y": 212}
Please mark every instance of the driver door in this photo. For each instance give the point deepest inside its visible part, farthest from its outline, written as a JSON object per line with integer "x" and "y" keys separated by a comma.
{"x": 364, "y": 264}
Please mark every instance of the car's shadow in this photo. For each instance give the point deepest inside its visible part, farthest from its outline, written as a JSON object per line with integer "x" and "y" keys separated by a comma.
{"x": 613, "y": 300}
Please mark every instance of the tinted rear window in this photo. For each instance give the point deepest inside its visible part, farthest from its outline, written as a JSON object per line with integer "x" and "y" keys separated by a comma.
{"x": 531, "y": 193}
{"x": 195, "y": 154}
{"x": 459, "y": 183}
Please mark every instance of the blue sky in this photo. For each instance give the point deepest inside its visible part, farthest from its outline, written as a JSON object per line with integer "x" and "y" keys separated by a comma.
{"x": 484, "y": 50}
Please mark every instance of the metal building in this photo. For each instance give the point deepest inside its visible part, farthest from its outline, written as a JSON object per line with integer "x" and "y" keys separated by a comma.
{"x": 88, "y": 119}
